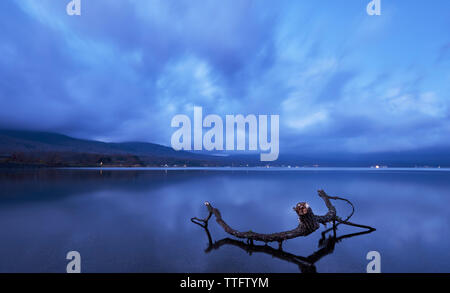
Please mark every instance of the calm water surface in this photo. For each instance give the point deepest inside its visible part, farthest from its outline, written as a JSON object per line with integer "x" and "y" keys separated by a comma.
{"x": 138, "y": 220}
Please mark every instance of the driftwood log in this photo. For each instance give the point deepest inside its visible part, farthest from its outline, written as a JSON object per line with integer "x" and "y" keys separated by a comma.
{"x": 308, "y": 222}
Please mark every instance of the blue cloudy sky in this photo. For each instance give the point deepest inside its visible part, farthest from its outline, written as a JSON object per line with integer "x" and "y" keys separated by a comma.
{"x": 338, "y": 78}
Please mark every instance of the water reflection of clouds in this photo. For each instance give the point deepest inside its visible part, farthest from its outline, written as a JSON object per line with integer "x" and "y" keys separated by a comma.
{"x": 140, "y": 221}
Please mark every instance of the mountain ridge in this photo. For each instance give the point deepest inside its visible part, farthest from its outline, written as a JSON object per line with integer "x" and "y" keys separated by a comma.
{"x": 31, "y": 147}
{"x": 40, "y": 148}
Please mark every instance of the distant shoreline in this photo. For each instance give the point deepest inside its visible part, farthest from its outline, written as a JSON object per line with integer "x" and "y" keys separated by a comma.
{"x": 299, "y": 169}
{"x": 34, "y": 149}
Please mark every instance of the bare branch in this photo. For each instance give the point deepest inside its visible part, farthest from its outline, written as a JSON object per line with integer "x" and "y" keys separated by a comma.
{"x": 308, "y": 222}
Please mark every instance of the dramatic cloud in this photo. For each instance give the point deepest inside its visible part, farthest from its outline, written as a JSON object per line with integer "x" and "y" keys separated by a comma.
{"x": 338, "y": 78}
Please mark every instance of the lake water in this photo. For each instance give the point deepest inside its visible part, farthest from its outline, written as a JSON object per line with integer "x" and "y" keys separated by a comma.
{"x": 138, "y": 220}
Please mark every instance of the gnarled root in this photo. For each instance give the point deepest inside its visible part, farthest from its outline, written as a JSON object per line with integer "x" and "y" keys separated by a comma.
{"x": 308, "y": 222}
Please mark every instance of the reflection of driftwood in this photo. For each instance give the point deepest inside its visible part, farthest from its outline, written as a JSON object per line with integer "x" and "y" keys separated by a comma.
{"x": 305, "y": 264}
{"x": 308, "y": 222}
